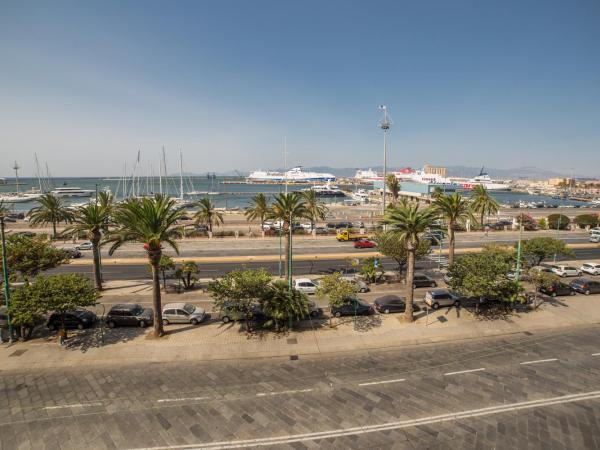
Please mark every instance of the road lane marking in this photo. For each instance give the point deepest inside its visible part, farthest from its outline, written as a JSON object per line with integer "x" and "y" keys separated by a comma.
{"x": 537, "y": 361}
{"x": 291, "y": 438}
{"x": 182, "y": 399}
{"x": 464, "y": 371}
{"x": 297, "y": 391}
{"x": 382, "y": 382}
{"x": 74, "y": 405}
{"x": 595, "y": 354}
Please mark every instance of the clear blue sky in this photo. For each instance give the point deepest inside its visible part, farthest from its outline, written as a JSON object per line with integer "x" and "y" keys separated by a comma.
{"x": 502, "y": 84}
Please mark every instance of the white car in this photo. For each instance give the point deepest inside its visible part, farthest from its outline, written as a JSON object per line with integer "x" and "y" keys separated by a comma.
{"x": 566, "y": 271}
{"x": 591, "y": 268}
{"x": 595, "y": 238}
{"x": 306, "y": 226}
{"x": 85, "y": 246}
{"x": 305, "y": 285}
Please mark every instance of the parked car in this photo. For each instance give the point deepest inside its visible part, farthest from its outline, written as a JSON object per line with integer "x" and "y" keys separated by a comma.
{"x": 595, "y": 238}
{"x": 28, "y": 234}
{"x": 586, "y": 286}
{"x": 85, "y": 246}
{"x": 557, "y": 288}
{"x": 78, "y": 318}
{"x": 566, "y": 271}
{"x": 542, "y": 269}
{"x": 352, "y": 306}
{"x": 305, "y": 285}
{"x": 200, "y": 228}
{"x": 182, "y": 313}
{"x": 358, "y": 224}
{"x": 392, "y": 304}
{"x": 364, "y": 243}
{"x": 129, "y": 315}
{"x": 229, "y": 313}
{"x": 441, "y": 297}
{"x": 435, "y": 237}
{"x": 314, "y": 310}
{"x": 420, "y": 280}
{"x": 73, "y": 253}
{"x": 590, "y": 268}
{"x": 321, "y": 230}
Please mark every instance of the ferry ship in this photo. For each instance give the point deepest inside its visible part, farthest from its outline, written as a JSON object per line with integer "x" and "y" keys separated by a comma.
{"x": 367, "y": 175}
{"x": 295, "y": 175}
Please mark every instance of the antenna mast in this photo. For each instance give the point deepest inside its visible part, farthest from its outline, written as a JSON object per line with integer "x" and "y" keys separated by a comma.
{"x": 16, "y": 168}
{"x": 384, "y": 124}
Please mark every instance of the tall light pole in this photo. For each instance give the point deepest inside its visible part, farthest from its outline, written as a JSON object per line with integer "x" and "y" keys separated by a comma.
{"x": 5, "y": 275}
{"x": 384, "y": 124}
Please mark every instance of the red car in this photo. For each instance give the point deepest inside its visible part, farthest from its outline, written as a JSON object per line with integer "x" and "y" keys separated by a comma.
{"x": 364, "y": 243}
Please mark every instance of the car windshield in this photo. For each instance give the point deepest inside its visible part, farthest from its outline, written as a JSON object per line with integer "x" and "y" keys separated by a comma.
{"x": 137, "y": 310}
{"x": 189, "y": 308}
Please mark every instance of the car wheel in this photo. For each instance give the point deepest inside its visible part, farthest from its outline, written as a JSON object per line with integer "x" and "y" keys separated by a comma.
{"x": 338, "y": 314}
{"x": 587, "y": 292}
{"x": 414, "y": 286}
{"x": 111, "y": 324}
{"x": 362, "y": 290}
{"x": 194, "y": 321}
{"x": 314, "y": 313}
{"x": 573, "y": 293}
{"x": 457, "y": 303}
{"x": 432, "y": 284}
{"x": 435, "y": 305}
{"x": 80, "y": 326}
{"x": 225, "y": 319}
{"x": 143, "y": 324}
{"x": 564, "y": 275}
{"x": 165, "y": 322}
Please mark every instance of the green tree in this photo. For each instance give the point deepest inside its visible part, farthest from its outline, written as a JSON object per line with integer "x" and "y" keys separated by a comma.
{"x": 454, "y": 209}
{"x": 483, "y": 203}
{"x": 92, "y": 220}
{"x": 542, "y": 223}
{"x": 315, "y": 209}
{"x": 535, "y": 250}
{"x": 165, "y": 264}
{"x": 390, "y": 244}
{"x": 409, "y": 222}
{"x": 207, "y": 214}
{"x": 51, "y": 210}
{"x": 150, "y": 221}
{"x": 25, "y": 311}
{"x": 586, "y": 220}
{"x": 282, "y": 305}
{"x": 371, "y": 270}
{"x": 336, "y": 289}
{"x": 28, "y": 256}
{"x": 54, "y": 293}
{"x": 541, "y": 280}
{"x": 259, "y": 209}
{"x": 239, "y": 289}
{"x": 286, "y": 208}
{"x": 393, "y": 187}
{"x": 558, "y": 222}
{"x": 188, "y": 274}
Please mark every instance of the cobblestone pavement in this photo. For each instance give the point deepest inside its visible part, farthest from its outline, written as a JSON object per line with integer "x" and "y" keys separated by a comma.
{"x": 537, "y": 390}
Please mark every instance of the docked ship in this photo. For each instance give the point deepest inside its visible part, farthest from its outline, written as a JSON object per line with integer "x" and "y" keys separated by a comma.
{"x": 366, "y": 175}
{"x": 326, "y": 190}
{"x": 483, "y": 179}
{"x": 295, "y": 175}
{"x": 68, "y": 191}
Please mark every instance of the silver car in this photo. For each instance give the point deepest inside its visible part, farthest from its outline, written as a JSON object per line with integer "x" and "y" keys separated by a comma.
{"x": 182, "y": 313}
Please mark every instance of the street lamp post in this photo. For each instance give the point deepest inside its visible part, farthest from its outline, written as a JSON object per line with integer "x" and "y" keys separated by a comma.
{"x": 518, "y": 271}
{"x": 5, "y": 275}
{"x": 384, "y": 124}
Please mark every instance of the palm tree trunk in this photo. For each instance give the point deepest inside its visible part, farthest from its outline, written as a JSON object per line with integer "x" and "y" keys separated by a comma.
{"x": 53, "y": 230}
{"x": 154, "y": 257}
{"x": 482, "y": 213}
{"x": 97, "y": 273}
{"x": 410, "y": 275}
{"x": 287, "y": 251}
{"x": 450, "y": 244}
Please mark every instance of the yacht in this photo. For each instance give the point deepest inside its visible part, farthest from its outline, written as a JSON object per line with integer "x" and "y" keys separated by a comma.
{"x": 72, "y": 191}
{"x": 361, "y": 196}
{"x": 367, "y": 175}
{"x": 484, "y": 180}
{"x": 14, "y": 197}
{"x": 295, "y": 175}
{"x": 327, "y": 190}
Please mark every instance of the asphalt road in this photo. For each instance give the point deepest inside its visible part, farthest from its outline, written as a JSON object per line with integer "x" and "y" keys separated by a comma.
{"x": 215, "y": 269}
{"x": 538, "y": 390}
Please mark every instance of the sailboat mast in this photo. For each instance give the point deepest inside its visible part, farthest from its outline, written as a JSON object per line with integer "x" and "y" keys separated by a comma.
{"x": 16, "y": 168}
{"x": 160, "y": 165}
{"x": 180, "y": 175}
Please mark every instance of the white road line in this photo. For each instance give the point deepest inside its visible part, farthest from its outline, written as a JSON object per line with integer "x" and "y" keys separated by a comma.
{"x": 595, "y": 354}
{"x": 298, "y": 391}
{"x": 74, "y": 405}
{"x": 382, "y": 382}
{"x": 290, "y": 438}
{"x": 538, "y": 361}
{"x": 464, "y": 371}
{"x": 182, "y": 399}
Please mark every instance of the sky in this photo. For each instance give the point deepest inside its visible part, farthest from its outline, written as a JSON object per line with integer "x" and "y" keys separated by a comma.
{"x": 85, "y": 85}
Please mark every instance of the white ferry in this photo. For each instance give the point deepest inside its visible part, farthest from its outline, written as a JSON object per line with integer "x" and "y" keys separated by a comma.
{"x": 72, "y": 192}
{"x": 367, "y": 175}
{"x": 295, "y": 175}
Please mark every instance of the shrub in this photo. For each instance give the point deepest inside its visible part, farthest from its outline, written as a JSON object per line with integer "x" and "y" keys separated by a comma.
{"x": 558, "y": 221}
{"x": 585, "y": 220}
{"x": 543, "y": 224}
{"x": 529, "y": 223}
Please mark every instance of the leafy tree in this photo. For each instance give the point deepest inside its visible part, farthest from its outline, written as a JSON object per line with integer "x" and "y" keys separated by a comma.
{"x": 187, "y": 273}
{"x": 587, "y": 220}
{"x": 528, "y": 222}
{"x": 54, "y": 293}
{"x": 502, "y": 251}
{"x": 390, "y": 244}
{"x": 28, "y": 256}
{"x": 542, "y": 223}
{"x": 150, "y": 221}
{"x": 92, "y": 220}
{"x": 535, "y": 250}
{"x": 409, "y": 222}
{"x": 393, "y": 187}
{"x": 207, "y": 214}
{"x": 286, "y": 208}
{"x": 315, "y": 209}
{"x": 239, "y": 289}
{"x": 371, "y": 269}
{"x": 25, "y": 311}
{"x": 259, "y": 210}
{"x": 51, "y": 210}
{"x": 281, "y": 304}
{"x": 540, "y": 280}
{"x": 558, "y": 222}
{"x": 336, "y": 289}
{"x": 166, "y": 263}
{"x": 482, "y": 202}
{"x": 455, "y": 210}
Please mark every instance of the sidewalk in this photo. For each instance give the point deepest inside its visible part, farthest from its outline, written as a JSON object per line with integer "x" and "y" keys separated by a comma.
{"x": 217, "y": 341}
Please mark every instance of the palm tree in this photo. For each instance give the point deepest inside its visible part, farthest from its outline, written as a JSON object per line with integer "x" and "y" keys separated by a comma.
{"x": 286, "y": 208}
{"x": 3, "y": 210}
{"x": 259, "y": 210}
{"x": 280, "y": 304}
{"x": 92, "y": 220}
{"x": 407, "y": 222}
{"x": 454, "y": 209}
{"x": 149, "y": 221}
{"x": 207, "y": 214}
{"x": 52, "y": 210}
{"x": 482, "y": 202}
{"x": 393, "y": 187}
{"x": 315, "y": 209}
